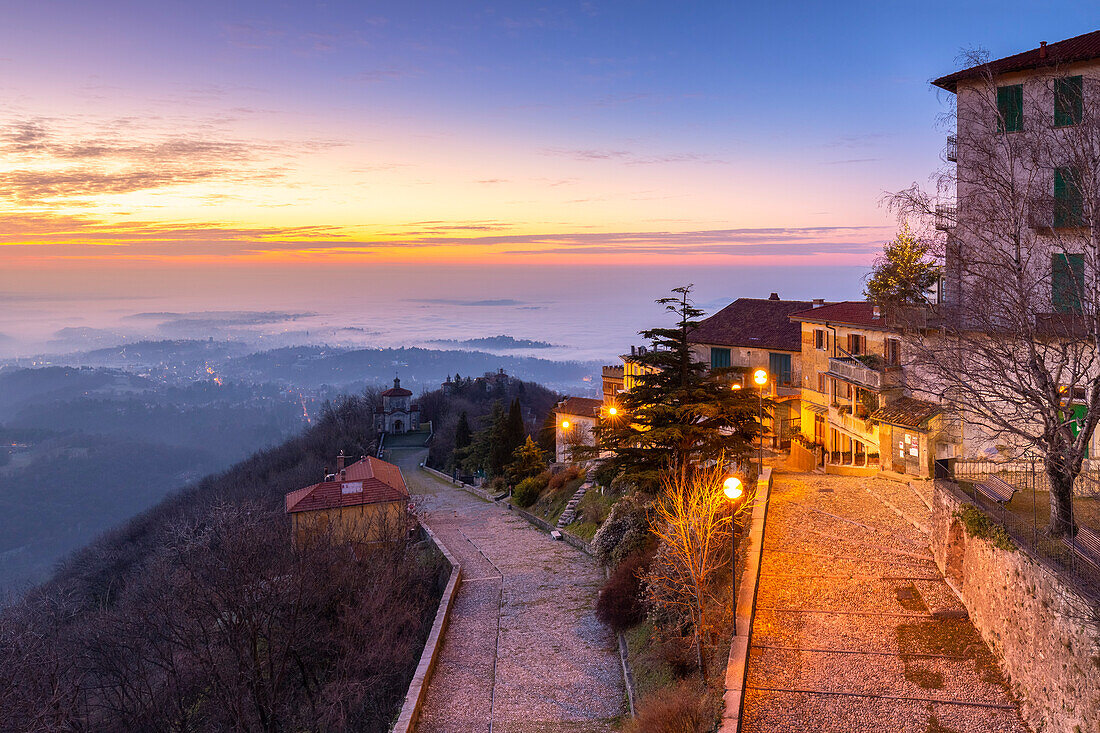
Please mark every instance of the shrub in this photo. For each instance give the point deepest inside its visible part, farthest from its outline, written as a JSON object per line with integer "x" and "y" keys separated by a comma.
{"x": 625, "y": 531}
{"x": 527, "y": 492}
{"x": 681, "y": 709}
{"x": 620, "y": 603}
{"x": 979, "y": 525}
{"x": 498, "y": 485}
{"x": 559, "y": 480}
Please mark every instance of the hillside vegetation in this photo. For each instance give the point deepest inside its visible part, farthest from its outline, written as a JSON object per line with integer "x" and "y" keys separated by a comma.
{"x": 199, "y": 616}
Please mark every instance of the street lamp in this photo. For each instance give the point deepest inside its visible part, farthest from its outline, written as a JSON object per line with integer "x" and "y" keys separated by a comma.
{"x": 564, "y": 424}
{"x": 613, "y": 411}
{"x": 734, "y": 492}
{"x": 761, "y": 378}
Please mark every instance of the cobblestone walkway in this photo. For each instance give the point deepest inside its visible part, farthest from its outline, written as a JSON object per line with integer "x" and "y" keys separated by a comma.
{"x": 524, "y": 651}
{"x": 855, "y": 629}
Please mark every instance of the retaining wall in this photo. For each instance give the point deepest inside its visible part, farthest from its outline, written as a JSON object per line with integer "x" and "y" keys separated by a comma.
{"x": 418, "y": 687}
{"x": 1043, "y": 632}
{"x": 801, "y": 459}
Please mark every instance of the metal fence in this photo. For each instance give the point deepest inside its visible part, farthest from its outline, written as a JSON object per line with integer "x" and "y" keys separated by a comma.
{"x": 1024, "y": 518}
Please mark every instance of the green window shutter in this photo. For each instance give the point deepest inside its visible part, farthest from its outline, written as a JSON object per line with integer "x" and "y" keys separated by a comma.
{"x": 1010, "y": 107}
{"x": 780, "y": 367}
{"x": 1069, "y": 101}
{"x": 1067, "y": 282}
{"x": 1068, "y": 201}
{"x": 719, "y": 358}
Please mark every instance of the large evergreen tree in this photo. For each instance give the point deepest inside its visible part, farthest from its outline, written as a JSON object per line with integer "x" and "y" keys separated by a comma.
{"x": 679, "y": 414}
{"x": 904, "y": 273}
{"x": 463, "y": 434}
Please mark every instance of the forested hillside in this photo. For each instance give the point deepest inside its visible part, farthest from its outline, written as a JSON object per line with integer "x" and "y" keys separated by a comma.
{"x": 197, "y": 615}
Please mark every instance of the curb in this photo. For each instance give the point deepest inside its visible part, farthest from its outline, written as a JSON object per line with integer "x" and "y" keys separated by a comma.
{"x": 542, "y": 524}
{"x": 418, "y": 687}
{"x": 465, "y": 487}
{"x": 738, "y": 665}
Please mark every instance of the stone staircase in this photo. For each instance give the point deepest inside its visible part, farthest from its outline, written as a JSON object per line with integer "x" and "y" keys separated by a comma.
{"x": 570, "y": 512}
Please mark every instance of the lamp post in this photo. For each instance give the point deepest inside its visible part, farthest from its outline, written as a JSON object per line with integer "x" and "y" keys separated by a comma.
{"x": 731, "y": 487}
{"x": 761, "y": 378}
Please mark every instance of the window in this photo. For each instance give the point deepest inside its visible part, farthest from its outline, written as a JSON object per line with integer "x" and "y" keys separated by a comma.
{"x": 821, "y": 340}
{"x": 822, "y": 386}
{"x": 1068, "y": 101}
{"x": 893, "y": 352}
{"x": 1067, "y": 282}
{"x": 1010, "y": 108}
{"x": 856, "y": 344}
{"x": 819, "y": 429}
{"x": 719, "y": 358}
{"x": 1068, "y": 202}
{"x": 780, "y": 367}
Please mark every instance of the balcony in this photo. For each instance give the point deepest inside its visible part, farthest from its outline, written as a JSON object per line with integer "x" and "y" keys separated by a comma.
{"x": 951, "y": 151}
{"x": 946, "y": 215}
{"x": 856, "y": 425}
{"x": 852, "y": 370}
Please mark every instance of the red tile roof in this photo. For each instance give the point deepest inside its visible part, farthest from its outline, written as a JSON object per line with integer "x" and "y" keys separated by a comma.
{"x": 848, "y": 312}
{"x": 369, "y": 481}
{"x": 1078, "y": 48}
{"x": 753, "y": 322}
{"x": 584, "y": 406}
{"x": 906, "y": 412}
{"x": 396, "y": 392}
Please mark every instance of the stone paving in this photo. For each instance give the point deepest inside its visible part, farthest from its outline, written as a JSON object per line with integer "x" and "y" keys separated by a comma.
{"x": 524, "y": 651}
{"x": 855, "y": 629}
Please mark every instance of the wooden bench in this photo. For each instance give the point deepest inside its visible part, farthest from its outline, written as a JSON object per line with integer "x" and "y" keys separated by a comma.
{"x": 1086, "y": 544}
{"x": 997, "y": 489}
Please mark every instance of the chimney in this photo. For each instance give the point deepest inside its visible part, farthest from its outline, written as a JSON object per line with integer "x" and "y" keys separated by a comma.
{"x": 343, "y": 474}
{"x": 773, "y": 296}
{"x": 876, "y": 313}
{"x": 1042, "y": 49}
{"x": 633, "y": 350}
{"x": 340, "y": 460}
{"x": 818, "y": 302}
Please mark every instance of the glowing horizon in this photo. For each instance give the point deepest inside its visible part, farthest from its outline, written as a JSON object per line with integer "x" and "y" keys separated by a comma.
{"x": 154, "y": 136}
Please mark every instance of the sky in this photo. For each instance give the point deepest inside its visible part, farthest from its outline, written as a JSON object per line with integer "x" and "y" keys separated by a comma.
{"x": 166, "y": 145}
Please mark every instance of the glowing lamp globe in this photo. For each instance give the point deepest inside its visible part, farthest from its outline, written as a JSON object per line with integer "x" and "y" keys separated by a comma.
{"x": 565, "y": 424}
{"x": 760, "y": 377}
{"x": 731, "y": 487}
{"x": 612, "y": 411}
{"x": 735, "y": 386}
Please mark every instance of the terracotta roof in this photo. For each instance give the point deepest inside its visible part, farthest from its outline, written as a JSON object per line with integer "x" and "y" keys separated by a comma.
{"x": 848, "y": 312}
{"x": 1078, "y": 48}
{"x": 584, "y": 406}
{"x": 906, "y": 412}
{"x": 759, "y": 322}
{"x": 369, "y": 481}
{"x": 397, "y": 392}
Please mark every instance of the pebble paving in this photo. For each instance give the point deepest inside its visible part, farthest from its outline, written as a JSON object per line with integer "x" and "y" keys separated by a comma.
{"x": 524, "y": 652}
{"x": 855, "y": 629}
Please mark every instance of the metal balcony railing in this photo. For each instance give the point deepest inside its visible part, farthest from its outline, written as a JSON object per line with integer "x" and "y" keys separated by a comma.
{"x": 946, "y": 215}
{"x": 951, "y": 152}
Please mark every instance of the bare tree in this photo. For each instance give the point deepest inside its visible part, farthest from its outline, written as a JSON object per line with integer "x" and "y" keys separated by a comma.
{"x": 1014, "y": 344}
{"x": 692, "y": 520}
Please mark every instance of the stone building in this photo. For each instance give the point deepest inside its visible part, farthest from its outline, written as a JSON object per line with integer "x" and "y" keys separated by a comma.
{"x": 398, "y": 414}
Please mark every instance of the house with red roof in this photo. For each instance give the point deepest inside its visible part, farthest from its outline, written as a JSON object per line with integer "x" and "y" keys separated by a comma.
{"x": 758, "y": 333}
{"x": 366, "y": 501}
{"x": 857, "y": 410}
{"x": 576, "y": 417}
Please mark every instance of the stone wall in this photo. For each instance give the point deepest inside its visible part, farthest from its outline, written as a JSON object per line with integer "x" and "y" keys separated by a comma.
{"x": 802, "y": 459}
{"x": 1038, "y": 627}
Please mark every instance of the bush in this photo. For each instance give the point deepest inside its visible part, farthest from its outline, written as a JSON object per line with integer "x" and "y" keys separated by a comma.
{"x": 527, "y": 492}
{"x": 625, "y": 531}
{"x": 559, "y": 480}
{"x": 684, "y": 708}
{"x": 620, "y": 603}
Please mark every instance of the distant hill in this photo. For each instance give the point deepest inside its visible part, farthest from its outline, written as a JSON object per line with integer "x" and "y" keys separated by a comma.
{"x": 499, "y": 343}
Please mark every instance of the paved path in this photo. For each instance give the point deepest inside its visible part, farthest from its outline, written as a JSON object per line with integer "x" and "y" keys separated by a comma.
{"x": 852, "y": 614}
{"x": 524, "y": 651}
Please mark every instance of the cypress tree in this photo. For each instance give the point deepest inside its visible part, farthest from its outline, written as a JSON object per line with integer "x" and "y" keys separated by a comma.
{"x": 463, "y": 434}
